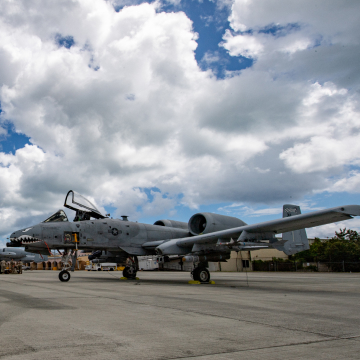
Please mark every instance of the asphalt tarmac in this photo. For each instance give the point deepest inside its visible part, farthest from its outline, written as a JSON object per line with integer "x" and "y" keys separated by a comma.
{"x": 97, "y": 316}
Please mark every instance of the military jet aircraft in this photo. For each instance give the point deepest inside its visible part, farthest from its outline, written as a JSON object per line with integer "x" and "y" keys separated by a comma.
{"x": 21, "y": 255}
{"x": 206, "y": 237}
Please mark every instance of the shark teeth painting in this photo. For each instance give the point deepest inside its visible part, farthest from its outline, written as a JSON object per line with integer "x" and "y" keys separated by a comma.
{"x": 24, "y": 240}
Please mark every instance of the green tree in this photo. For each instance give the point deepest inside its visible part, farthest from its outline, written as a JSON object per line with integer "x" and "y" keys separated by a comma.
{"x": 344, "y": 246}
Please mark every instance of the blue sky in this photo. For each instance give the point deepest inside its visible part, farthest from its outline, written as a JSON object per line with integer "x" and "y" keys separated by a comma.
{"x": 12, "y": 140}
{"x": 160, "y": 110}
{"x": 210, "y": 21}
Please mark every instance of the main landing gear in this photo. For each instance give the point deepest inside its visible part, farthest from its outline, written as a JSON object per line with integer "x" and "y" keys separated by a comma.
{"x": 201, "y": 274}
{"x": 129, "y": 272}
{"x": 131, "y": 268}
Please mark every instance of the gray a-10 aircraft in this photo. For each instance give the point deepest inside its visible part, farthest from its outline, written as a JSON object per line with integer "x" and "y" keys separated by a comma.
{"x": 206, "y": 237}
{"x": 21, "y": 255}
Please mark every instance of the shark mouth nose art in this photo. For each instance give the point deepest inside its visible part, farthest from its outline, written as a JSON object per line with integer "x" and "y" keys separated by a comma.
{"x": 24, "y": 240}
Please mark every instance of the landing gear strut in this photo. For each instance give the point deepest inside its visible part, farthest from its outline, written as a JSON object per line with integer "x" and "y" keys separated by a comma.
{"x": 64, "y": 274}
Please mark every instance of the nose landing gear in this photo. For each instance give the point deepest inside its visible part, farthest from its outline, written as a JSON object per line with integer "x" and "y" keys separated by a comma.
{"x": 64, "y": 275}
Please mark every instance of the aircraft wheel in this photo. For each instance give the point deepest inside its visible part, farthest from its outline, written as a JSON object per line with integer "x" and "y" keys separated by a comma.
{"x": 202, "y": 275}
{"x": 129, "y": 272}
{"x": 64, "y": 275}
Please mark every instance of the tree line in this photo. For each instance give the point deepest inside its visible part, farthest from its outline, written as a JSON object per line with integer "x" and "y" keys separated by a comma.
{"x": 340, "y": 253}
{"x": 344, "y": 246}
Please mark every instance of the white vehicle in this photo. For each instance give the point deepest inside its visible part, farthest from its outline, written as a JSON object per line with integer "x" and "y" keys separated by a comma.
{"x": 148, "y": 263}
{"x": 101, "y": 267}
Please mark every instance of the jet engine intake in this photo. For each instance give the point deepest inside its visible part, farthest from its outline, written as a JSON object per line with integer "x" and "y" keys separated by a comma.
{"x": 204, "y": 223}
{"x": 172, "y": 223}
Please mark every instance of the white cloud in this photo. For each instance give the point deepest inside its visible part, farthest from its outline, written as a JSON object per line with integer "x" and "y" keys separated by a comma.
{"x": 261, "y": 212}
{"x": 330, "y": 120}
{"x": 210, "y": 57}
{"x": 329, "y": 18}
{"x": 322, "y": 153}
{"x": 349, "y": 184}
{"x": 127, "y": 107}
{"x": 244, "y": 45}
{"x": 328, "y": 231}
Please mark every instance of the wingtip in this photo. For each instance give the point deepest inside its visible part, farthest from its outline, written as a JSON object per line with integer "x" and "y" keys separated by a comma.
{"x": 353, "y": 210}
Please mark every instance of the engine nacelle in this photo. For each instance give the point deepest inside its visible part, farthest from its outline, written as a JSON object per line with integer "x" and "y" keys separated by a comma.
{"x": 172, "y": 223}
{"x": 204, "y": 223}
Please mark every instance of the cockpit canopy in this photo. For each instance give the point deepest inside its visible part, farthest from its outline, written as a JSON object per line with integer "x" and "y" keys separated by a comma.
{"x": 59, "y": 216}
{"x": 83, "y": 207}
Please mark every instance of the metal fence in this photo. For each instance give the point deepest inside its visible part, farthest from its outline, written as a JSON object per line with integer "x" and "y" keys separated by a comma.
{"x": 340, "y": 266}
{"x": 275, "y": 266}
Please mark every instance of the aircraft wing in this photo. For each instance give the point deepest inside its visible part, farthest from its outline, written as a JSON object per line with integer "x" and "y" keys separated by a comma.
{"x": 273, "y": 227}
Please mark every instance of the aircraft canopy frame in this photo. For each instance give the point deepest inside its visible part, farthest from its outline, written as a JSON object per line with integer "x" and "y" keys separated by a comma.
{"x": 58, "y": 216}
{"x": 79, "y": 203}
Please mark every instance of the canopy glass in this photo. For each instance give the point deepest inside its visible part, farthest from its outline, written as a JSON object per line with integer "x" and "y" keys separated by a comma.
{"x": 59, "y": 216}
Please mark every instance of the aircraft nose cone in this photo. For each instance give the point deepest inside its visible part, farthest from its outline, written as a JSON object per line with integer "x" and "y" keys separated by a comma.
{"x": 14, "y": 242}
{"x": 22, "y": 237}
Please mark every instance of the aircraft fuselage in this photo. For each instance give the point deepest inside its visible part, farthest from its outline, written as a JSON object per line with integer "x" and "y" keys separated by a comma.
{"x": 110, "y": 234}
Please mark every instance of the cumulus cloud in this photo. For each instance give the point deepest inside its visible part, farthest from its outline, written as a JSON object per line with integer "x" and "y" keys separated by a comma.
{"x": 306, "y": 40}
{"x": 328, "y": 231}
{"x": 349, "y": 183}
{"x": 331, "y": 127}
{"x": 244, "y": 45}
{"x": 114, "y": 104}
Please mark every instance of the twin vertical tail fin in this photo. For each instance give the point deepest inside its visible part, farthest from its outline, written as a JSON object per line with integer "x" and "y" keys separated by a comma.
{"x": 293, "y": 241}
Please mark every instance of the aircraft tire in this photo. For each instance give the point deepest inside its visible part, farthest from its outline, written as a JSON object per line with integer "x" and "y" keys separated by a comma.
{"x": 129, "y": 273}
{"x": 64, "y": 275}
{"x": 202, "y": 275}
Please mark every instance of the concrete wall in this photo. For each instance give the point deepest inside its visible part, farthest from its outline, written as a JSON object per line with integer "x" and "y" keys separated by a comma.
{"x": 241, "y": 258}
{"x": 236, "y": 262}
{"x": 267, "y": 254}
